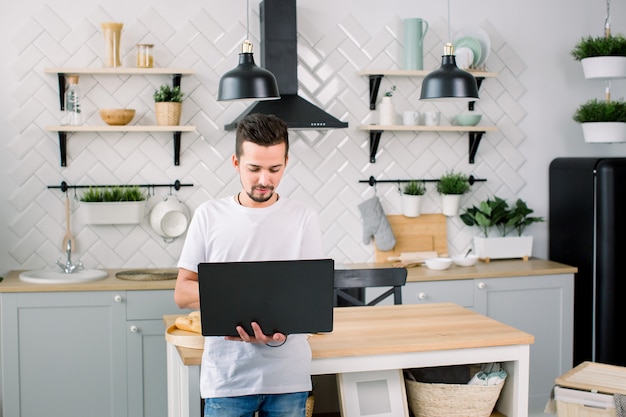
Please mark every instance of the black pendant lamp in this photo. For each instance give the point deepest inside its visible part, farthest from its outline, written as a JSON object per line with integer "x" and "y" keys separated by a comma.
{"x": 449, "y": 82}
{"x": 247, "y": 81}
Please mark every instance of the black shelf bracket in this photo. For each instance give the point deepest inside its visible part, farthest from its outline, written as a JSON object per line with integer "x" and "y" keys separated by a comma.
{"x": 176, "y": 80}
{"x": 374, "y": 142}
{"x": 177, "y": 148}
{"x": 374, "y": 87}
{"x": 479, "y": 81}
{"x": 61, "y": 77}
{"x": 63, "y": 148}
{"x": 474, "y": 141}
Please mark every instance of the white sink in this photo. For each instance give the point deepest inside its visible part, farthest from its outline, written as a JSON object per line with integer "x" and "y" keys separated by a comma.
{"x": 49, "y": 276}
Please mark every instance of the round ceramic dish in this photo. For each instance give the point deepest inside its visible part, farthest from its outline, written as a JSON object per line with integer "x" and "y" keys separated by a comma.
{"x": 473, "y": 45}
{"x": 482, "y": 37}
{"x": 462, "y": 260}
{"x": 464, "y": 57}
{"x": 438, "y": 264}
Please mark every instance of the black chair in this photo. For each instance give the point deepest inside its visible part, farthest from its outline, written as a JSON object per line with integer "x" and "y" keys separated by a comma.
{"x": 350, "y": 285}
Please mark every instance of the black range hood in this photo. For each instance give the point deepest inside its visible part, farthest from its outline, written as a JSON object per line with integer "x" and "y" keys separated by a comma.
{"x": 279, "y": 54}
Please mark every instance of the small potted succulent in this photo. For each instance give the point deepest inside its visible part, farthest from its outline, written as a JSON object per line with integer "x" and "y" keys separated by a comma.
{"x": 602, "y": 56}
{"x": 168, "y": 105}
{"x": 496, "y": 214}
{"x": 411, "y": 198}
{"x": 113, "y": 205}
{"x": 602, "y": 120}
{"x": 452, "y": 185}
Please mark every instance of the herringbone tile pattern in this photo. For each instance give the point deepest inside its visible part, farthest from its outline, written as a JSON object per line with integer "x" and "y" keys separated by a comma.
{"x": 325, "y": 166}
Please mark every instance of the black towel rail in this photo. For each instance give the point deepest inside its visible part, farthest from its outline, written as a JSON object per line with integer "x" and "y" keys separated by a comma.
{"x": 64, "y": 186}
{"x": 373, "y": 181}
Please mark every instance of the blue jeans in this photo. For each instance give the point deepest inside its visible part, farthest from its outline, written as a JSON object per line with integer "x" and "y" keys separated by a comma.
{"x": 268, "y": 405}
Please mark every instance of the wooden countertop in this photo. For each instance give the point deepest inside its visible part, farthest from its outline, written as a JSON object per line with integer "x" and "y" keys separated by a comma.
{"x": 12, "y": 283}
{"x": 377, "y": 330}
{"x": 493, "y": 269}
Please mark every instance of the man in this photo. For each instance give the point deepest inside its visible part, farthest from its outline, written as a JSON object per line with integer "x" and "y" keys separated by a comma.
{"x": 269, "y": 374}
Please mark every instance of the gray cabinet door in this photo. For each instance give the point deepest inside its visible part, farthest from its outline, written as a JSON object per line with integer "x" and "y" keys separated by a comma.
{"x": 543, "y": 307}
{"x": 146, "y": 350}
{"x": 63, "y": 354}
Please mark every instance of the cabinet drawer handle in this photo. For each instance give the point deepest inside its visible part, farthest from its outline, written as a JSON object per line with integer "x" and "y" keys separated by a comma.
{"x": 117, "y": 298}
{"x": 482, "y": 285}
{"x": 422, "y": 296}
{"x": 134, "y": 329}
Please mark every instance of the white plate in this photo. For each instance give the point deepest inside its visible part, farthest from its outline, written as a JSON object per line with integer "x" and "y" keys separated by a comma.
{"x": 464, "y": 57}
{"x": 470, "y": 43}
{"x": 482, "y": 37}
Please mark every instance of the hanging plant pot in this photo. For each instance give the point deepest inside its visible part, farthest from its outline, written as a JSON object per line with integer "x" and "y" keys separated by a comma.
{"x": 604, "y": 67}
{"x": 604, "y": 132}
{"x": 411, "y": 205}
{"x": 450, "y": 204}
{"x": 122, "y": 212}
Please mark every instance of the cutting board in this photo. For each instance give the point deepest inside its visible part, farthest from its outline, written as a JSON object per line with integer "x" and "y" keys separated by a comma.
{"x": 426, "y": 232}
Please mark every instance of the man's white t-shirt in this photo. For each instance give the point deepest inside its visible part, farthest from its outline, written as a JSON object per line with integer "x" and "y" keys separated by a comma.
{"x": 223, "y": 231}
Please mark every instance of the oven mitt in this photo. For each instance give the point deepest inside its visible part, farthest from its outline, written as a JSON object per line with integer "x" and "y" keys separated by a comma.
{"x": 375, "y": 224}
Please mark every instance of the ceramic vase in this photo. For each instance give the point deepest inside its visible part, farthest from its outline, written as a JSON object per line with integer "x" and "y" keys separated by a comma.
{"x": 411, "y": 205}
{"x": 385, "y": 112}
{"x": 604, "y": 132}
{"x": 450, "y": 204}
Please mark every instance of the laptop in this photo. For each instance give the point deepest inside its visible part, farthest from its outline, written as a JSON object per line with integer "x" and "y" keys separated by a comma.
{"x": 282, "y": 296}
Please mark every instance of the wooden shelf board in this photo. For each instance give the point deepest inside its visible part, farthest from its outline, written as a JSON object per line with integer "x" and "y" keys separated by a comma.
{"x": 120, "y": 71}
{"x": 430, "y": 128}
{"x": 132, "y": 128}
{"x": 418, "y": 73}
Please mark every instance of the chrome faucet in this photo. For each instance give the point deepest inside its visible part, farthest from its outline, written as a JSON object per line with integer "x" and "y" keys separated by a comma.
{"x": 68, "y": 267}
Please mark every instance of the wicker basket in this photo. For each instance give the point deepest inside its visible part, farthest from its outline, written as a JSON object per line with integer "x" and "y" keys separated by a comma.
{"x": 168, "y": 113}
{"x": 451, "y": 400}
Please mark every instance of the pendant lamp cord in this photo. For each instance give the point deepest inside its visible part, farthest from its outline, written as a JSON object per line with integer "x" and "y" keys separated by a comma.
{"x": 607, "y": 21}
{"x": 449, "y": 37}
{"x": 247, "y": 19}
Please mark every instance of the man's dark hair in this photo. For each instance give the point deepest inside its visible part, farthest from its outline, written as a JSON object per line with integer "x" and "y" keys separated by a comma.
{"x": 261, "y": 129}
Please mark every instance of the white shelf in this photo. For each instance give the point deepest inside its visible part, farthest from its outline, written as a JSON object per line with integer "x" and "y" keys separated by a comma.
{"x": 429, "y": 128}
{"x": 418, "y": 73}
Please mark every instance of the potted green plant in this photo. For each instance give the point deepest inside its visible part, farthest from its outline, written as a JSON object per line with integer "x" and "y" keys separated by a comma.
{"x": 451, "y": 186}
{"x": 602, "y": 56}
{"x": 602, "y": 120}
{"x": 411, "y": 198}
{"x": 113, "y": 205}
{"x": 168, "y": 105}
{"x": 496, "y": 214}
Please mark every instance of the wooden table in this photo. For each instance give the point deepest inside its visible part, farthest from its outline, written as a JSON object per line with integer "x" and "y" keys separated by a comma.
{"x": 372, "y": 341}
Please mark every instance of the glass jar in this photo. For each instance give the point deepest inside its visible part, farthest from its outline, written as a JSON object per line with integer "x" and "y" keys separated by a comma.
{"x": 112, "y": 32}
{"x": 145, "y": 57}
{"x": 72, "y": 114}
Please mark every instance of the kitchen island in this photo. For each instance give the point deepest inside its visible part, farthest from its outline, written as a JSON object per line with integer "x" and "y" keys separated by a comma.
{"x": 374, "y": 343}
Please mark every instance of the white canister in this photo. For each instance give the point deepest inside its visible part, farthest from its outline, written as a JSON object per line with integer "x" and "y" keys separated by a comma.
{"x": 386, "y": 114}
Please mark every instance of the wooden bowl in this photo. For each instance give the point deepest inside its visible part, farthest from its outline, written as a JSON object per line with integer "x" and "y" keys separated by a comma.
{"x": 117, "y": 117}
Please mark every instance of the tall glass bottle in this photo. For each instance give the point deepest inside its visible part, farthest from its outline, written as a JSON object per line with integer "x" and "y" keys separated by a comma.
{"x": 73, "y": 114}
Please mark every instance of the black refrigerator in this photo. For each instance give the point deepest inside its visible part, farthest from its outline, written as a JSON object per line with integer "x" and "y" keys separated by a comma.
{"x": 587, "y": 226}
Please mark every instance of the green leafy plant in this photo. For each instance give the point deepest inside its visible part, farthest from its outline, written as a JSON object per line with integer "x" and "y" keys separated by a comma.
{"x": 414, "y": 187}
{"x": 453, "y": 183}
{"x": 166, "y": 93}
{"x": 113, "y": 194}
{"x": 389, "y": 93}
{"x": 601, "y": 111}
{"x": 496, "y": 213}
{"x": 599, "y": 46}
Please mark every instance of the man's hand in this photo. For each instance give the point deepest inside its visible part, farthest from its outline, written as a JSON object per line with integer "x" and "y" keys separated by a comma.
{"x": 259, "y": 337}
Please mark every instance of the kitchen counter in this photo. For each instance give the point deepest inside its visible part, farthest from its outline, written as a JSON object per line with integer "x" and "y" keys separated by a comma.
{"x": 493, "y": 269}
{"x": 364, "y": 346}
{"x": 12, "y": 283}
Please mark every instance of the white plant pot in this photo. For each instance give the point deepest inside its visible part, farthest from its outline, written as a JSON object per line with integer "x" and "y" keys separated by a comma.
{"x": 450, "y": 204}
{"x": 604, "y": 67}
{"x": 124, "y": 212}
{"x": 411, "y": 205}
{"x": 386, "y": 114}
{"x": 488, "y": 248}
{"x": 604, "y": 132}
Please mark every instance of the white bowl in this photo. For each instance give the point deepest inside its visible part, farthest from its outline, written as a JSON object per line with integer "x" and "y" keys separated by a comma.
{"x": 462, "y": 260}
{"x": 438, "y": 263}
{"x": 169, "y": 218}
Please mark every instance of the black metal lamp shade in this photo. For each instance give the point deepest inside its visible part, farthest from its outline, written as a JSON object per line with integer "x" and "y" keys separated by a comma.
{"x": 247, "y": 81}
{"x": 449, "y": 82}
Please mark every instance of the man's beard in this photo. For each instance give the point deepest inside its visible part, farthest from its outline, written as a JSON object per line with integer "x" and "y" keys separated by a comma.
{"x": 262, "y": 198}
